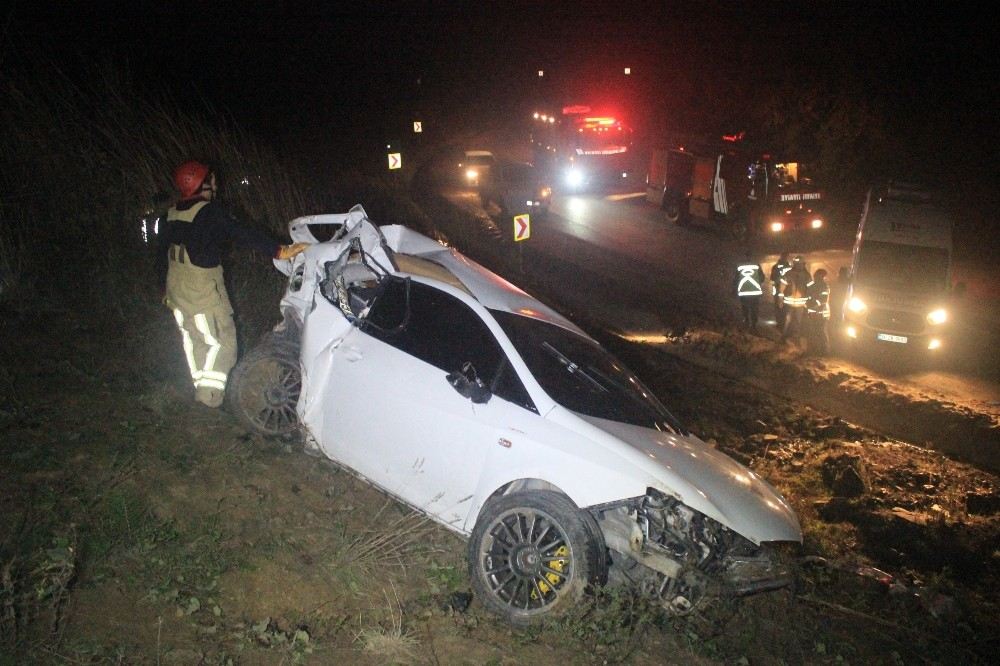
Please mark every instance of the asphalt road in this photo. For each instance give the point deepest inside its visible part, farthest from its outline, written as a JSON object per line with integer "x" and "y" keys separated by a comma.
{"x": 644, "y": 274}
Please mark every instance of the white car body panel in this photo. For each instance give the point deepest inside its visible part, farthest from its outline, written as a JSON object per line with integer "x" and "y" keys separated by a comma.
{"x": 395, "y": 420}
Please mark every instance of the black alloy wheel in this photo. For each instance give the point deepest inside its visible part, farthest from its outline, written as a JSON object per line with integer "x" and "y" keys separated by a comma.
{"x": 264, "y": 388}
{"x": 533, "y": 554}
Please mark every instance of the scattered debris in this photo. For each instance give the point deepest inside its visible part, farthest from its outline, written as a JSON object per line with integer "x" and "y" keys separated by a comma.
{"x": 845, "y": 475}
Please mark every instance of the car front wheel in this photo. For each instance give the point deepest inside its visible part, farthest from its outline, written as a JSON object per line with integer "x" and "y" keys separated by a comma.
{"x": 534, "y": 554}
{"x": 264, "y": 388}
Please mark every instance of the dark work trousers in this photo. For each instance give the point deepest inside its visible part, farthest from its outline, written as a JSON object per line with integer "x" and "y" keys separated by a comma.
{"x": 779, "y": 312}
{"x": 818, "y": 336}
{"x": 793, "y": 322}
{"x": 750, "y": 305}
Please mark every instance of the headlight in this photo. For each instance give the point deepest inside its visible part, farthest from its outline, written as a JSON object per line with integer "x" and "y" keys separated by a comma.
{"x": 934, "y": 343}
{"x": 574, "y": 177}
{"x": 856, "y": 305}
{"x": 471, "y": 174}
{"x": 777, "y": 226}
{"x": 817, "y": 223}
{"x": 545, "y": 192}
{"x": 938, "y": 316}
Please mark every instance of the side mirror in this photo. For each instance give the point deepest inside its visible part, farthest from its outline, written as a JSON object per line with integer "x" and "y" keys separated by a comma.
{"x": 468, "y": 384}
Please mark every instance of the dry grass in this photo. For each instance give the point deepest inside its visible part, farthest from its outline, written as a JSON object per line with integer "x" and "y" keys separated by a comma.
{"x": 391, "y": 544}
{"x": 389, "y": 641}
{"x": 13, "y": 252}
{"x": 82, "y": 164}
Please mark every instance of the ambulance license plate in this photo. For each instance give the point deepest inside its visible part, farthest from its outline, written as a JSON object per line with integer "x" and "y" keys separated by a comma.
{"x": 892, "y": 338}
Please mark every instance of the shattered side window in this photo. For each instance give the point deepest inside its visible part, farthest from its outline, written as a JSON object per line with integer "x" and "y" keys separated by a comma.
{"x": 441, "y": 330}
{"x": 389, "y": 310}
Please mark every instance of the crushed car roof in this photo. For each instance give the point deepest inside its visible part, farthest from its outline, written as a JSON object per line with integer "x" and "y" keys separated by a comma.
{"x": 485, "y": 286}
{"x": 428, "y": 259}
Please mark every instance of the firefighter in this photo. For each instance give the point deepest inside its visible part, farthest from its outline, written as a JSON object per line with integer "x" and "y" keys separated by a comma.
{"x": 749, "y": 286}
{"x": 818, "y": 314}
{"x": 794, "y": 295}
{"x": 197, "y": 232}
{"x": 781, "y": 266}
{"x": 838, "y": 294}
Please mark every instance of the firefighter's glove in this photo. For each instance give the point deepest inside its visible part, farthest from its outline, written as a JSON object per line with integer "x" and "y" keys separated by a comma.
{"x": 289, "y": 251}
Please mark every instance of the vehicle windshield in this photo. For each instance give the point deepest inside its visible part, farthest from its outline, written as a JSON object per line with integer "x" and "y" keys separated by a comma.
{"x": 520, "y": 175}
{"x": 909, "y": 268}
{"x": 478, "y": 160}
{"x": 603, "y": 140}
{"x": 581, "y": 376}
{"x": 794, "y": 175}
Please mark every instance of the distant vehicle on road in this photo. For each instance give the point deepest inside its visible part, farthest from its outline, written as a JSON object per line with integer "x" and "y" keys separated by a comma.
{"x": 746, "y": 195}
{"x": 900, "y": 271}
{"x": 582, "y": 149}
{"x": 516, "y": 188}
{"x": 475, "y": 166}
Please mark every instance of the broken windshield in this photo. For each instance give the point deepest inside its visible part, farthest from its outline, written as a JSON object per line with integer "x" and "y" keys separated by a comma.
{"x": 583, "y": 377}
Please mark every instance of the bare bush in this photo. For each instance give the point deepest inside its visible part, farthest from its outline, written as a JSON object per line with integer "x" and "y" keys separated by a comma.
{"x": 14, "y": 284}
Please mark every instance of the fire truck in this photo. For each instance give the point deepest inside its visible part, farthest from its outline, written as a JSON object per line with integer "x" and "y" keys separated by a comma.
{"x": 726, "y": 185}
{"x": 582, "y": 149}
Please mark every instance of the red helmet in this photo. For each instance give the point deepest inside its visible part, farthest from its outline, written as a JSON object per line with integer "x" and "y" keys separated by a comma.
{"x": 189, "y": 176}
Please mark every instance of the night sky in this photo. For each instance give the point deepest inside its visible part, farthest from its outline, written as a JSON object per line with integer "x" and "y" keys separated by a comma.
{"x": 313, "y": 72}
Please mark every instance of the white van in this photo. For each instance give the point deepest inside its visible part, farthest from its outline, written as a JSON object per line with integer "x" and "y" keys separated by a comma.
{"x": 901, "y": 270}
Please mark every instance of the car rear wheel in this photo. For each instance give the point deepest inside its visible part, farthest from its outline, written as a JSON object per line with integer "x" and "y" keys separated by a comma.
{"x": 264, "y": 388}
{"x": 673, "y": 213}
{"x": 740, "y": 228}
{"x": 533, "y": 554}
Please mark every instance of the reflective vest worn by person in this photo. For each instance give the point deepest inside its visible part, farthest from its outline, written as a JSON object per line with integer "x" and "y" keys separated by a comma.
{"x": 749, "y": 280}
{"x": 749, "y": 286}
{"x": 781, "y": 266}
{"x": 818, "y": 292}
{"x": 196, "y": 233}
{"x": 794, "y": 285}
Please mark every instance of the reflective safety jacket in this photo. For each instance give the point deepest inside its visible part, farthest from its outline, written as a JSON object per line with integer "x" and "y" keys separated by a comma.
{"x": 777, "y": 272}
{"x": 818, "y": 292}
{"x": 202, "y": 231}
{"x": 794, "y": 288}
{"x": 749, "y": 280}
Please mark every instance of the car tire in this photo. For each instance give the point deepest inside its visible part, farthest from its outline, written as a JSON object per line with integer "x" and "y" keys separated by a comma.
{"x": 263, "y": 388}
{"x": 533, "y": 555}
{"x": 739, "y": 227}
{"x": 673, "y": 213}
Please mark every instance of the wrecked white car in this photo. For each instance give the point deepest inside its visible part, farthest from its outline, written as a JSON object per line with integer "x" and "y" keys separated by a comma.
{"x": 467, "y": 399}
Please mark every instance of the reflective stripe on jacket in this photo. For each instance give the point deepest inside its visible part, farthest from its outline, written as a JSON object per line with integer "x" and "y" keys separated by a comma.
{"x": 777, "y": 273}
{"x": 819, "y": 298}
{"x": 794, "y": 288}
{"x": 749, "y": 280}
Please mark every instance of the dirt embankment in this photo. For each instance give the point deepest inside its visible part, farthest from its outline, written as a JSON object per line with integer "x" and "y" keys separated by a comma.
{"x": 138, "y": 527}
{"x": 966, "y": 432}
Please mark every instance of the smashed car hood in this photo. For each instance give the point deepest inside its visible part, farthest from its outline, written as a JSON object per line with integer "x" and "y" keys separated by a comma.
{"x": 708, "y": 481}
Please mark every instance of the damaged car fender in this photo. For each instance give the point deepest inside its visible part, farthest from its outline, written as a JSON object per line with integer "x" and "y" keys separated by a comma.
{"x": 685, "y": 467}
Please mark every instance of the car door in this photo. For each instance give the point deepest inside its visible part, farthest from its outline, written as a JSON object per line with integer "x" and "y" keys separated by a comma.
{"x": 396, "y": 419}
